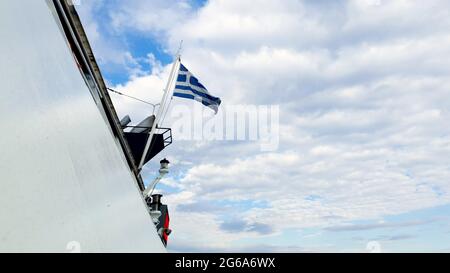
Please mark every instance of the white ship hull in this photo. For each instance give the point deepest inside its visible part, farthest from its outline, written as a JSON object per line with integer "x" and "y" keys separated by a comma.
{"x": 64, "y": 180}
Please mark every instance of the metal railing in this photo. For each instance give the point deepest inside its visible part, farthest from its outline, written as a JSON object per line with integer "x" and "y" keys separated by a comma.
{"x": 159, "y": 130}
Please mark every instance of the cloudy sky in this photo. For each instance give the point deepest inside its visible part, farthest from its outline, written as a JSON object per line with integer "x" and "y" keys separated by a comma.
{"x": 363, "y": 89}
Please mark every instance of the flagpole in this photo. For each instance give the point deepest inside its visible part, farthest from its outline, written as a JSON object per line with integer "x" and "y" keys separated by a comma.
{"x": 160, "y": 110}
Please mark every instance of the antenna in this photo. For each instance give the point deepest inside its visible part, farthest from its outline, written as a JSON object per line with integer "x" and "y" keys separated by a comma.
{"x": 178, "y": 55}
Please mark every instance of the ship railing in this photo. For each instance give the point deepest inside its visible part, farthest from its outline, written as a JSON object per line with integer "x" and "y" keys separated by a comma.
{"x": 137, "y": 140}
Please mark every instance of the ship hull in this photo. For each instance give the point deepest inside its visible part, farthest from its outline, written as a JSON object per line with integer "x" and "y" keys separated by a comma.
{"x": 65, "y": 183}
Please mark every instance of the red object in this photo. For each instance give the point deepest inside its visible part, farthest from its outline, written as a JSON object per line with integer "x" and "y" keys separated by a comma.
{"x": 166, "y": 227}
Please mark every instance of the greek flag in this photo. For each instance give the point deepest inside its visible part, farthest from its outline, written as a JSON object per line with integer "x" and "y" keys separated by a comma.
{"x": 188, "y": 87}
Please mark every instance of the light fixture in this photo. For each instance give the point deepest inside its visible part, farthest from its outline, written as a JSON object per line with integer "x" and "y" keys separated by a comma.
{"x": 163, "y": 170}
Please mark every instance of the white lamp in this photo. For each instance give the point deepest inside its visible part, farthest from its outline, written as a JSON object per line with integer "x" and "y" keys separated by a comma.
{"x": 163, "y": 170}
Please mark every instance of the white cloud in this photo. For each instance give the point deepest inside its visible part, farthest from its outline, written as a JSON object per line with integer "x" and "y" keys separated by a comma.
{"x": 152, "y": 16}
{"x": 363, "y": 88}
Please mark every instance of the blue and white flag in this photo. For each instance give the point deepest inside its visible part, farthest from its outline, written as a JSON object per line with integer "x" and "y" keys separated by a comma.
{"x": 188, "y": 86}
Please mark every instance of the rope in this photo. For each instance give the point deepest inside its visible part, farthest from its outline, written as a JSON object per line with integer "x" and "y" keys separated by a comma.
{"x": 134, "y": 98}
